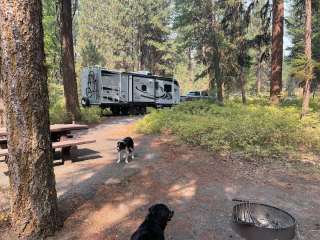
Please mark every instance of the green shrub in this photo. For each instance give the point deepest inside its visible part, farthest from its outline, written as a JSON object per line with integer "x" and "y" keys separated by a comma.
{"x": 58, "y": 114}
{"x": 314, "y": 105}
{"x": 255, "y": 128}
{"x": 91, "y": 115}
{"x": 55, "y": 93}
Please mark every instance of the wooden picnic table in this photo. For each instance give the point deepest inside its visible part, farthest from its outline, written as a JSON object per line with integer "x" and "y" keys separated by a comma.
{"x": 67, "y": 127}
{"x": 60, "y": 137}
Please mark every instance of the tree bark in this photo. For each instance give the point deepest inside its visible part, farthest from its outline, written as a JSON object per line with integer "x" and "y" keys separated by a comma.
{"x": 277, "y": 51}
{"x": 258, "y": 81}
{"x": 308, "y": 53}
{"x": 68, "y": 67}
{"x": 190, "y": 64}
{"x": 212, "y": 84}
{"x": 258, "y": 74}
{"x": 32, "y": 182}
{"x": 217, "y": 72}
{"x": 2, "y": 122}
{"x": 214, "y": 59}
{"x": 242, "y": 86}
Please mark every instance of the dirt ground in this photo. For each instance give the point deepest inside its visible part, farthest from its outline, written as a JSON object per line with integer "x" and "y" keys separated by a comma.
{"x": 99, "y": 199}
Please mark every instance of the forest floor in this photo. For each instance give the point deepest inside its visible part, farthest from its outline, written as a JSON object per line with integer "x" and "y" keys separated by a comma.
{"x": 99, "y": 199}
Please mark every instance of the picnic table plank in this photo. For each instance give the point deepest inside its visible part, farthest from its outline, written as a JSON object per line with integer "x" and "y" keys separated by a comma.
{"x": 3, "y": 132}
{"x": 72, "y": 142}
{"x": 3, "y": 152}
{"x": 55, "y": 128}
{"x": 67, "y": 145}
{"x": 67, "y": 127}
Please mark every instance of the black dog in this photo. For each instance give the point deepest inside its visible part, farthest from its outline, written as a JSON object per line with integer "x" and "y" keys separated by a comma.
{"x": 154, "y": 224}
{"x": 125, "y": 145}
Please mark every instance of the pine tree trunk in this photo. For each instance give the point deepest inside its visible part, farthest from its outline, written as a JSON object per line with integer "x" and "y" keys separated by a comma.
{"x": 2, "y": 122}
{"x": 217, "y": 74}
{"x": 242, "y": 86}
{"x": 220, "y": 90}
{"x": 190, "y": 65}
{"x": 68, "y": 67}
{"x": 308, "y": 53}
{"x": 212, "y": 84}
{"x": 277, "y": 51}
{"x": 32, "y": 182}
{"x": 258, "y": 74}
{"x": 215, "y": 60}
{"x": 258, "y": 82}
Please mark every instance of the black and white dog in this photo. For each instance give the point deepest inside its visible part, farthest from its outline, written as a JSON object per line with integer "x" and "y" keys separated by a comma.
{"x": 125, "y": 145}
{"x": 154, "y": 224}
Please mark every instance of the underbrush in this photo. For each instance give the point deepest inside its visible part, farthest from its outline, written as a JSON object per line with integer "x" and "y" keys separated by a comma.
{"x": 58, "y": 114}
{"x": 254, "y": 129}
{"x": 57, "y": 109}
{"x": 91, "y": 115}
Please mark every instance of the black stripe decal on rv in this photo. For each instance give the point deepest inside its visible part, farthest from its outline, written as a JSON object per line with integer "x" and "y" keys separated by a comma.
{"x": 111, "y": 99}
{"x": 110, "y": 89}
{"x": 147, "y": 97}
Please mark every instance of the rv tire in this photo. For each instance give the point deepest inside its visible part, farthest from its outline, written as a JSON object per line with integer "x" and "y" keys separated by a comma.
{"x": 124, "y": 110}
{"x": 143, "y": 110}
{"x": 115, "y": 110}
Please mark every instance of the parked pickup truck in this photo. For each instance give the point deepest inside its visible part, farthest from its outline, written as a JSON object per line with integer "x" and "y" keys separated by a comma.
{"x": 195, "y": 95}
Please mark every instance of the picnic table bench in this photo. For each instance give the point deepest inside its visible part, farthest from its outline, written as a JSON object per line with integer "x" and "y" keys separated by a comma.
{"x": 67, "y": 145}
{"x": 3, "y": 152}
{"x": 61, "y": 137}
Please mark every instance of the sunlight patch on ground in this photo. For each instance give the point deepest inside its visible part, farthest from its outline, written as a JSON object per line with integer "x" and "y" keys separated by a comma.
{"x": 116, "y": 213}
{"x": 183, "y": 192}
{"x": 112, "y": 180}
{"x": 150, "y": 156}
{"x": 230, "y": 192}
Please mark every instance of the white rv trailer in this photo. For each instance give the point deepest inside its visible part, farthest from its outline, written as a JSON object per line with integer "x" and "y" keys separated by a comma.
{"x": 125, "y": 92}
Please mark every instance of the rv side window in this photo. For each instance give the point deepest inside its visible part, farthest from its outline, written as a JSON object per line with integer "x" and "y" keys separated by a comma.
{"x": 144, "y": 88}
{"x": 157, "y": 86}
{"x": 167, "y": 88}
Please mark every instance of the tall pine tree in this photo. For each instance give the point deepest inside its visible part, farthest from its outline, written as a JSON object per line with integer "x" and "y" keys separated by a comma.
{"x": 277, "y": 51}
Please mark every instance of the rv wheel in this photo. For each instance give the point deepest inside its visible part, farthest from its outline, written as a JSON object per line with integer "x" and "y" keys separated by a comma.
{"x": 115, "y": 110}
{"x": 143, "y": 110}
{"x": 134, "y": 110}
{"x": 124, "y": 110}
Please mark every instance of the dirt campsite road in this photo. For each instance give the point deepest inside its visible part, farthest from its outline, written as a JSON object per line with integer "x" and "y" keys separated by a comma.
{"x": 99, "y": 199}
